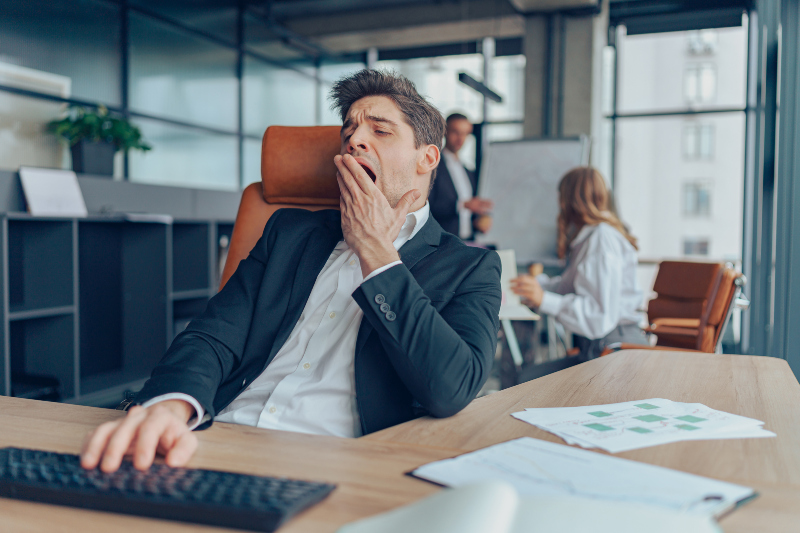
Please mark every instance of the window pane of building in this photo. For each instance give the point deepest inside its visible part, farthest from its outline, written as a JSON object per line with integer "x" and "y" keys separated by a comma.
{"x": 668, "y": 71}
{"x": 186, "y": 157}
{"x": 275, "y": 95}
{"x": 78, "y": 40}
{"x": 437, "y": 79}
{"x": 177, "y": 75}
{"x": 260, "y": 38}
{"x": 652, "y": 192}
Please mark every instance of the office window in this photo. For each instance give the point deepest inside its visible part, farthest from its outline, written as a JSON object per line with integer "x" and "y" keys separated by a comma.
{"x": 260, "y": 38}
{"x": 652, "y": 75}
{"x": 78, "y": 39}
{"x": 698, "y": 141}
{"x": 700, "y": 83}
{"x": 251, "y": 162}
{"x": 701, "y": 42}
{"x": 186, "y": 157}
{"x": 695, "y": 246}
{"x": 274, "y": 95}
{"x": 177, "y": 75}
{"x": 697, "y": 199}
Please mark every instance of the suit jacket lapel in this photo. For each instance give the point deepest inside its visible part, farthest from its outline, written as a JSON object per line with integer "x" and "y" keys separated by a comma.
{"x": 423, "y": 244}
{"x": 318, "y": 248}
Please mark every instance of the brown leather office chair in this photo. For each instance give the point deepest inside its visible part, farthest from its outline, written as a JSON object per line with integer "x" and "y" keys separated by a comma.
{"x": 694, "y": 304}
{"x": 297, "y": 170}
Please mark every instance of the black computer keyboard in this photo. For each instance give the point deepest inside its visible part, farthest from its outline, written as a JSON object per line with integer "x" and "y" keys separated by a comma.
{"x": 185, "y": 494}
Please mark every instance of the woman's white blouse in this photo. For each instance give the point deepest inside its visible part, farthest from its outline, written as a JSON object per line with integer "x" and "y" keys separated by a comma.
{"x": 597, "y": 291}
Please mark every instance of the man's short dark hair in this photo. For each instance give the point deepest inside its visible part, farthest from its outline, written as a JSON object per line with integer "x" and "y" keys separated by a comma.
{"x": 425, "y": 120}
{"x": 456, "y": 116}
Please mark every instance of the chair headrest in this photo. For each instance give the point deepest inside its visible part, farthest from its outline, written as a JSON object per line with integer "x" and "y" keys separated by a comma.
{"x": 297, "y": 165}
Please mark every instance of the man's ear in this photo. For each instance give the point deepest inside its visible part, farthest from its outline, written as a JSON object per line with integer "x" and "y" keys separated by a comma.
{"x": 428, "y": 160}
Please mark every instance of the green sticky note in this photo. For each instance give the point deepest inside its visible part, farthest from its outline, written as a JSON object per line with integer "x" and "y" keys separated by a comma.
{"x": 640, "y": 430}
{"x": 646, "y": 406}
{"x": 687, "y": 427}
{"x": 598, "y": 427}
{"x": 649, "y": 418}
{"x": 690, "y": 418}
{"x": 600, "y": 414}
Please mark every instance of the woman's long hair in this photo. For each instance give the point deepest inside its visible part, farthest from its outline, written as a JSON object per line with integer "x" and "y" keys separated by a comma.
{"x": 584, "y": 201}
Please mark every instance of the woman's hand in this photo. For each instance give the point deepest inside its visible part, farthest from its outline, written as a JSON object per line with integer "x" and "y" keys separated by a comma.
{"x": 529, "y": 289}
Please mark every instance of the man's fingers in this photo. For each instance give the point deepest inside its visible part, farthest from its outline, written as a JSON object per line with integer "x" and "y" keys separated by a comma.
{"x": 344, "y": 190}
{"x": 149, "y": 435}
{"x": 95, "y": 443}
{"x": 359, "y": 174}
{"x": 346, "y": 175}
{"x": 182, "y": 450}
{"x": 404, "y": 205}
{"x": 120, "y": 441}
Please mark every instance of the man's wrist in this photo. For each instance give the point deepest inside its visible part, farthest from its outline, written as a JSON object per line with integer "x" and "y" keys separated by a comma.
{"x": 375, "y": 259}
{"x": 180, "y": 408}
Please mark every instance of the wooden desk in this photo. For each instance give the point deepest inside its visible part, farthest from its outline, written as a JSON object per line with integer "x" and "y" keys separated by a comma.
{"x": 369, "y": 475}
{"x": 757, "y": 387}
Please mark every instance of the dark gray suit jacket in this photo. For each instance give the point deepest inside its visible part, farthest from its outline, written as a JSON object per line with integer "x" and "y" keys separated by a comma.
{"x": 444, "y": 198}
{"x": 430, "y": 356}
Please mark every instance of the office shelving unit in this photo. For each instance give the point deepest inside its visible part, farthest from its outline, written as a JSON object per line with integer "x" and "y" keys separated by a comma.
{"x": 94, "y": 302}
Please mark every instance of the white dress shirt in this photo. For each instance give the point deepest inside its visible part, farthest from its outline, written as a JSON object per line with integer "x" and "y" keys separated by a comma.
{"x": 309, "y": 386}
{"x": 463, "y": 189}
{"x": 597, "y": 291}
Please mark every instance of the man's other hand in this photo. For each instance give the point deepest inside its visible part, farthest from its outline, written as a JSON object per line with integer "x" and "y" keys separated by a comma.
{"x": 483, "y": 223}
{"x": 479, "y": 206}
{"x": 159, "y": 428}
{"x": 369, "y": 224}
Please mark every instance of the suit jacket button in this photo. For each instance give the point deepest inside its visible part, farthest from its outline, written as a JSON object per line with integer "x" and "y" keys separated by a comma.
{"x": 385, "y": 308}
{"x": 390, "y": 316}
{"x": 380, "y": 298}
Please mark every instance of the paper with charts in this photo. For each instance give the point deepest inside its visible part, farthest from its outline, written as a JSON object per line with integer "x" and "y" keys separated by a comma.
{"x": 539, "y": 468}
{"x": 620, "y": 427}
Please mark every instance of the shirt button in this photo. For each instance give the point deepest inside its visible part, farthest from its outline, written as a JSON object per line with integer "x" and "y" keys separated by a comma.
{"x": 352, "y": 262}
{"x": 380, "y": 298}
{"x": 272, "y": 410}
{"x": 385, "y": 308}
{"x": 307, "y": 366}
{"x": 333, "y": 314}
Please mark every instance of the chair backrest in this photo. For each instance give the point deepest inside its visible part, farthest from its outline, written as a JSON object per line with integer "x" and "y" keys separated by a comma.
{"x": 297, "y": 170}
{"x": 684, "y": 289}
{"x": 703, "y": 292}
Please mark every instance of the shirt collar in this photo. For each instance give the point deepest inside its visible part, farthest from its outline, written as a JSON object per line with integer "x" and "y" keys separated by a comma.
{"x": 414, "y": 222}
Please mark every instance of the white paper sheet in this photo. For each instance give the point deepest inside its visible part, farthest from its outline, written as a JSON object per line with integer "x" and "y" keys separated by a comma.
{"x": 627, "y": 426}
{"x": 51, "y": 192}
{"x": 536, "y": 467}
{"x": 511, "y": 307}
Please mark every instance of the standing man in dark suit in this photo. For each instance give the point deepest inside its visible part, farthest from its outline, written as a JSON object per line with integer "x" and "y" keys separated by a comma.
{"x": 338, "y": 322}
{"x": 453, "y": 199}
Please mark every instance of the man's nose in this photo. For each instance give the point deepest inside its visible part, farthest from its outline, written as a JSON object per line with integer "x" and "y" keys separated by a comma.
{"x": 357, "y": 142}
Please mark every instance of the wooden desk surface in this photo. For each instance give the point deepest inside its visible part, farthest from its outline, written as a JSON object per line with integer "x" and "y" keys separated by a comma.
{"x": 369, "y": 475}
{"x": 758, "y": 387}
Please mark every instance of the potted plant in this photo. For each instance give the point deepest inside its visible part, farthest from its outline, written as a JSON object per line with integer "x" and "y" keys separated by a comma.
{"x": 94, "y": 137}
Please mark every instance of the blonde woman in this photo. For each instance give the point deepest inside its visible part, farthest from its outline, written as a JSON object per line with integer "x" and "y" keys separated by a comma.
{"x": 596, "y": 297}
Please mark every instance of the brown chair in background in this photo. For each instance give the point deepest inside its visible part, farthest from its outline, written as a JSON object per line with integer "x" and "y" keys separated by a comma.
{"x": 693, "y": 306}
{"x": 297, "y": 170}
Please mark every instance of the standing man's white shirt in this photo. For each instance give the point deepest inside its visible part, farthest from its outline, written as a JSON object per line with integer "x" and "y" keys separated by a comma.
{"x": 463, "y": 189}
{"x": 309, "y": 386}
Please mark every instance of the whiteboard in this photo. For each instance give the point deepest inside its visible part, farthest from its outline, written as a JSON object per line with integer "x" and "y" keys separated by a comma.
{"x": 521, "y": 177}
